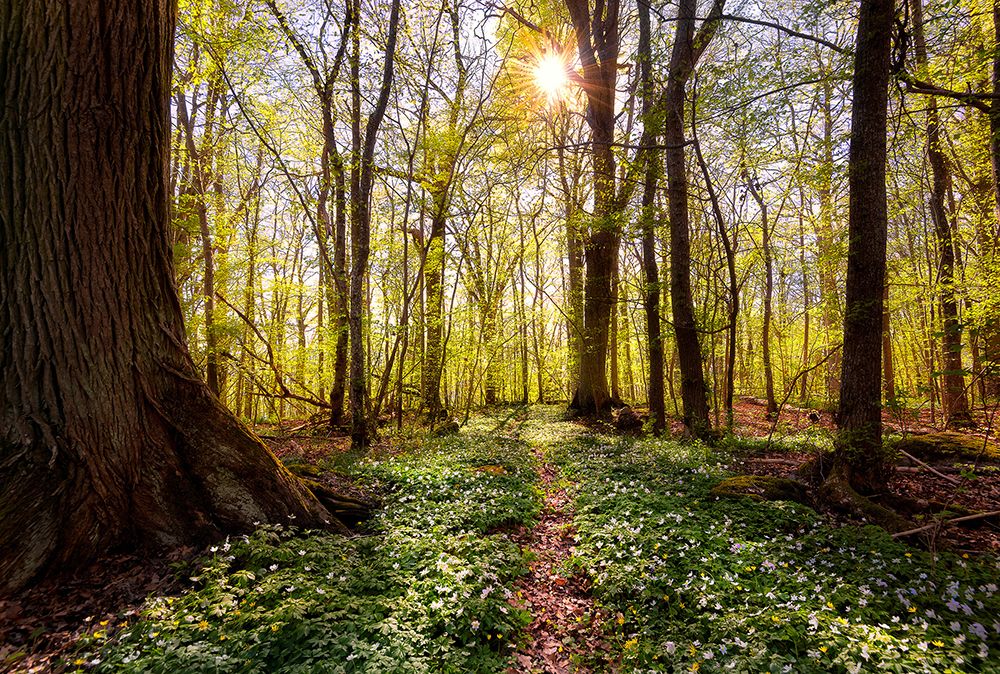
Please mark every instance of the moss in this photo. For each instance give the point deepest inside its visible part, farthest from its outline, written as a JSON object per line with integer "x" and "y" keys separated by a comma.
{"x": 301, "y": 468}
{"x": 449, "y": 427}
{"x": 948, "y": 446}
{"x": 762, "y": 488}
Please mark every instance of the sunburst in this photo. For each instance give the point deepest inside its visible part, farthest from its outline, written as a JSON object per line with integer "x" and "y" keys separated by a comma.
{"x": 551, "y": 75}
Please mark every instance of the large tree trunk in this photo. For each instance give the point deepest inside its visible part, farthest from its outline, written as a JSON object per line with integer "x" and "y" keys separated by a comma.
{"x": 108, "y": 437}
{"x": 598, "y": 44}
{"x": 860, "y": 463}
{"x": 687, "y": 49}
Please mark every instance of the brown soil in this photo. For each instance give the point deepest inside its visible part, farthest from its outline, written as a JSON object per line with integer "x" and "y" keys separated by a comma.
{"x": 565, "y": 629}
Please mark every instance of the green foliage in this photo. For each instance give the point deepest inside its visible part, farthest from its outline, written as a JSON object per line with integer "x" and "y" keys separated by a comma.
{"x": 425, "y": 592}
{"x": 699, "y": 583}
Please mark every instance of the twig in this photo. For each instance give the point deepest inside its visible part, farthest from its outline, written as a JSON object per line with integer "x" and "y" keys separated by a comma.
{"x": 929, "y": 467}
{"x": 791, "y": 388}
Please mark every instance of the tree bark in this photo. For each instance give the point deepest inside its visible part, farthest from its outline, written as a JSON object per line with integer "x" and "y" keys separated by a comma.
{"x": 362, "y": 429}
{"x": 765, "y": 341}
{"x": 888, "y": 371}
{"x": 806, "y": 304}
{"x": 108, "y": 437}
{"x": 828, "y": 256}
{"x": 991, "y": 330}
{"x": 651, "y": 271}
{"x": 860, "y": 461}
{"x": 687, "y": 49}
{"x": 574, "y": 258}
{"x": 954, "y": 401}
{"x": 598, "y": 46}
{"x": 442, "y": 163}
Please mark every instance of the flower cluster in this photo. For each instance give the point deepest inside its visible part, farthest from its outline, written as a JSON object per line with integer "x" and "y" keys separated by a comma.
{"x": 426, "y": 590}
{"x": 702, "y": 584}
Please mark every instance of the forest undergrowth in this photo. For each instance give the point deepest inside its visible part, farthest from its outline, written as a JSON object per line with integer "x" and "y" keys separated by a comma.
{"x": 684, "y": 581}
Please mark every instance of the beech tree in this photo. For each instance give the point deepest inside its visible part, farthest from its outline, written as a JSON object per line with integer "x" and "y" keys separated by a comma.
{"x": 651, "y": 272}
{"x": 108, "y": 435}
{"x": 598, "y": 43}
{"x": 362, "y": 176}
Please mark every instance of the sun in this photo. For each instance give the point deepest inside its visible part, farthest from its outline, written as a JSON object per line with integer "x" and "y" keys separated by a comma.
{"x": 551, "y": 74}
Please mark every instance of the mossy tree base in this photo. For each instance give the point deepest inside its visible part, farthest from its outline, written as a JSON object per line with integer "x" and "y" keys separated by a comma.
{"x": 837, "y": 492}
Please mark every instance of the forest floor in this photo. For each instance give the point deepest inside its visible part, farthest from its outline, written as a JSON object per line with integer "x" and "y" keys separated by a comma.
{"x": 527, "y": 543}
{"x": 565, "y": 631}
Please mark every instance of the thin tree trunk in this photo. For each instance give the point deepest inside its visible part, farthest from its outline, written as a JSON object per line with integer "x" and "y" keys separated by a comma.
{"x": 362, "y": 177}
{"x": 888, "y": 371}
{"x": 650, "y": 269}
{"x": 765, "y": 341}
{"x": 828, "y": 258}
{"x": 734, "y": 288}
{"x": 806, "y": 305}
{"x": 955, "y": 402}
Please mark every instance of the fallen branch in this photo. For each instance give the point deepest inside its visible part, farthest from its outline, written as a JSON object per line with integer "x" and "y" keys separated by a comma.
{"x": 920, "y": 469}
{"x": 957, "y": 520}
{"x": 929, "y": 467}
{"x": 781, "y": 462}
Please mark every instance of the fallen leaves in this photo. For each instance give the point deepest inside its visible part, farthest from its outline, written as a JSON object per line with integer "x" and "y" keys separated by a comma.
{"x": 565, "y": 631}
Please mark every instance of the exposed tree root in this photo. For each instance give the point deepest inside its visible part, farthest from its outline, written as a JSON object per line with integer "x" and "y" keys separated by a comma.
{"x": 837, "y": 492}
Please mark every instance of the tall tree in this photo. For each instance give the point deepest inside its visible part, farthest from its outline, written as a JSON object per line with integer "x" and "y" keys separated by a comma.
{"x": 753, "y": 185}
{"x": 362, "y": 176}
{"x": 651, "y": 272}
{"x": 108, "y": 436}
{"x": 861, "y": 466}
{"x": 331, "y": 183}
{"x": 597, "y": 37}
{"x": 687, "y": 50}
{"x": 443, "y": 153}
{"x": 954, "y": 401}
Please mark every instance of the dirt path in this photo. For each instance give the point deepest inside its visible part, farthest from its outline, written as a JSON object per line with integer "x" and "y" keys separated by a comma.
{"x": 565, "y": 630}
